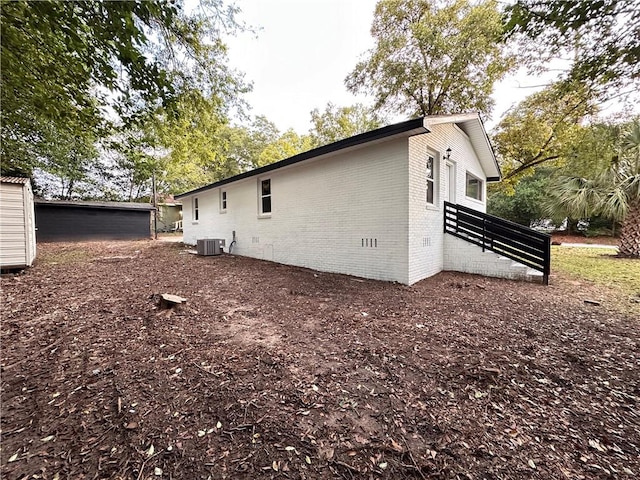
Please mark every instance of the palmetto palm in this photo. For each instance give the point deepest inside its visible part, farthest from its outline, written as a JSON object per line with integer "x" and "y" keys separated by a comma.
{"x": 614, "y": 193}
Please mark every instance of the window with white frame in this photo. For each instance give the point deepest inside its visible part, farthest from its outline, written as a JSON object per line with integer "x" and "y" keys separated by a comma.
{"x": 265, "y": 196}
{"x": 223, "y": 200}
{"x": 430, "y": 179}
{"x": 475, "y": 187}
{"x": 196, "y": 212}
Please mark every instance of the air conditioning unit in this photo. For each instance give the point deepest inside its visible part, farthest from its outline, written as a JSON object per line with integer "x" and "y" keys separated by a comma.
{"x": 210, "y": 246}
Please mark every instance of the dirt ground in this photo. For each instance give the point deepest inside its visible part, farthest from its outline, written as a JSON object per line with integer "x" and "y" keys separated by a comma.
{"x": 560, "y": 238}
{"x": 270, "y": 371}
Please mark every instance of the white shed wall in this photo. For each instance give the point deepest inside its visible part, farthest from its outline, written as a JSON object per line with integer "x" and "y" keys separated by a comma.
{"x": 17, "y": 225}
{"x": 426, "y": 222}
{"x": 323, "y": 211}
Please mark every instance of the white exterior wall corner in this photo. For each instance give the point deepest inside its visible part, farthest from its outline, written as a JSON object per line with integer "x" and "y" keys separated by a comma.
{"x": 427, "y": 246}
{"x": 322, "y": 212}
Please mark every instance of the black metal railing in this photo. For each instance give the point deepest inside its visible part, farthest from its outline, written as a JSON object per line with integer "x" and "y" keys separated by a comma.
{"x": 522, "y": 244}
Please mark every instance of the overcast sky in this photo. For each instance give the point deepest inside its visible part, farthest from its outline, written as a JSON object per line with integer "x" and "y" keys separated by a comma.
{"x": 303, "y": 51}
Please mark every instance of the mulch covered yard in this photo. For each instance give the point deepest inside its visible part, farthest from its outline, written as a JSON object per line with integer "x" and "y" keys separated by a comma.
{"x": 270, "y": 371}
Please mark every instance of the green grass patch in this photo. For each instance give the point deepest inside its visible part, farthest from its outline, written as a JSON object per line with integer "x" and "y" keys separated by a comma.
{"x": 63, "y": 257}
{"x": 600, "y": 266}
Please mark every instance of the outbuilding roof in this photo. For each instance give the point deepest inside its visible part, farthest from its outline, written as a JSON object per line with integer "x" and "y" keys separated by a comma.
{"x": 17, "y": 180}
{"x": 470, "y": 124}
{"x": 100, "y": 205}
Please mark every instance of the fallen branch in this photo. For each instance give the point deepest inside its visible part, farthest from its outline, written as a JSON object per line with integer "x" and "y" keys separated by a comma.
{"x": 101, "y": 437}
{"x": 413, "y": 460}
{"x": 144, "y": 464}
{"x": 346, "y": 465}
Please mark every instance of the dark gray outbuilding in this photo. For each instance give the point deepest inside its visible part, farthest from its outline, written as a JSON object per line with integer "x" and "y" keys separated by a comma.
{"x": 68, "y": 221}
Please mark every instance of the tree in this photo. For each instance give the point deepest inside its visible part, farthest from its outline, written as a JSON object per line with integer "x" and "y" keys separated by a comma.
{"x": 67, "y": 63}
{"x": 287, "y": 145}
{"x": 133, "y": 164}
{"x": 193, "y": 147}
{"x": 54, "y": 54}
{"x": 526, "y": 203}
{"x": 541, "y": 130}
{"x": 613, "y": 193}
{"x": 336, "y": 123}
{"x": 69, "y": 165}
{"x": 433, "y": 56}
{"x": 602, "y": 37}
{"x": 245, "y": 144}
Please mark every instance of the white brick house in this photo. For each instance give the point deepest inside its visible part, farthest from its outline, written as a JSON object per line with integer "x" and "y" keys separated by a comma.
{"x": 370, "y": 205}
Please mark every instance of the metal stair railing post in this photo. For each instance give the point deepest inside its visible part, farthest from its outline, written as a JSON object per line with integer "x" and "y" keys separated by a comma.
{"x": 547, "y": 261}
{"x": 484, "y": 232}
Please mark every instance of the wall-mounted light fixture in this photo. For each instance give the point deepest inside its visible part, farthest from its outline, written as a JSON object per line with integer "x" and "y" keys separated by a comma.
{"x": 448, "y": 155}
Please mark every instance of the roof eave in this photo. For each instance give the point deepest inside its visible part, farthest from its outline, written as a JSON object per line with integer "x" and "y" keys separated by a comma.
{"x": 498, "y": 177}
{"x": 407, "y": 128}
{"x": 103, "y": 206}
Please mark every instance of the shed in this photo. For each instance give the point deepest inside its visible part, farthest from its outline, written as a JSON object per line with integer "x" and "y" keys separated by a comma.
{"x": 17, "y": 226}
{"x": 64, "y": 221}
{"x": 169, "y": 216}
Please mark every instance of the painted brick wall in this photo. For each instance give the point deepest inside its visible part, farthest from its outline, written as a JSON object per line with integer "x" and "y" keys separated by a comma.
{"x": 426, "y": 243}
{"x": 323, "y": 211}
{"x": 462, "y": 256}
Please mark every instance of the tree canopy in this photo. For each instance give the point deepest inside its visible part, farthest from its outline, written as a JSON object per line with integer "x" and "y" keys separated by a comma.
{"x": 525, "y": 202}
{"x": 336, "y": 123}
{"x": 541, "y": 130}
{"x": 244, "y": 144}
{"x": 79, "y": 70}
{"x": 601, "y": 38}
{"x": 433, "y": 56}
{"x": 612, "y": 192}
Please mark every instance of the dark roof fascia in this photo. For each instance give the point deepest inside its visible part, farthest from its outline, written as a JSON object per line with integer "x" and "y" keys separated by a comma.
{"x": 98, "y": 205}
{"x": 356, "y": 140}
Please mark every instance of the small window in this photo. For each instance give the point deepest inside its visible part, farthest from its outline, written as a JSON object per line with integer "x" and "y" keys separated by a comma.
{"x": 430, "y": 179}
{"x": 196, "y": 213}
{"x": 475, "y": 186}
{"x": 223, "y": 201}
{"x": 265, "y": 196}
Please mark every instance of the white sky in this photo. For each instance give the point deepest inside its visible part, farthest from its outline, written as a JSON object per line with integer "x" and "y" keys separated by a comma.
{"x": 301, "y": 56}
{"x": 303, "y": 51}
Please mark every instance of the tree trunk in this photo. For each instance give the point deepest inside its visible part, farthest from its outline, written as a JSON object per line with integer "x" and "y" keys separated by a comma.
{"x": 572, "y": 226}
{"x": 630, "y": 234}
{"x": 131, "y": 188}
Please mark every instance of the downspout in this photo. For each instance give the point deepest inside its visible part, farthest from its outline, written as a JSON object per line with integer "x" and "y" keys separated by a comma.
{"x": 233, "y": 242}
